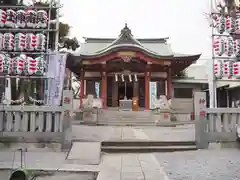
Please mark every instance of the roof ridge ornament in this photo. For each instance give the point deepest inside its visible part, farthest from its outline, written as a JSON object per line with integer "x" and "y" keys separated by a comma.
{"x": 126, "y": 31}
{"x": 126, "y": 37}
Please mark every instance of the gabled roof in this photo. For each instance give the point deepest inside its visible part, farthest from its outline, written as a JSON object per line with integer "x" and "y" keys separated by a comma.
{"x": 153, "y": 47}
{"x": 125, "y": 37}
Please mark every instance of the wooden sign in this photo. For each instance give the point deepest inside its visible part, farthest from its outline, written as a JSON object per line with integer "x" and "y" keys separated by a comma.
{"x": 166, "y": 62}
{"x": 126, "y": 56}
{"x": 85, "y": 62}
{"x": 127, "y": 53}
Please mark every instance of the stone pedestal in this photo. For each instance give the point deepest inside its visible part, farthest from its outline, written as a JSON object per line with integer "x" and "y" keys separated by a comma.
{"x": 90, "y": 116}
{"x": 162, "y": 117}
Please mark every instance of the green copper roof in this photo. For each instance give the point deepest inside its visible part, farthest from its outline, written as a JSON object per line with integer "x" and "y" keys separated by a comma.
{"x": 156, "y": 47}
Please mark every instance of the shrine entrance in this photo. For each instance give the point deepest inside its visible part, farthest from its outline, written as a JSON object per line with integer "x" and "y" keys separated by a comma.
{"x": 125, "y": 90}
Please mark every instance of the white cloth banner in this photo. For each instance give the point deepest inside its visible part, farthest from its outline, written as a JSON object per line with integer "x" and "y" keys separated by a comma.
{"x": 152, "y": 94}
{"x": 56, "y": 69}
{"x": 97, "y": 89}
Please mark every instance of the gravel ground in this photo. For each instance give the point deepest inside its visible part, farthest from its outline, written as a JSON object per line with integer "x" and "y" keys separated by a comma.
{"x": 201, "y": 165}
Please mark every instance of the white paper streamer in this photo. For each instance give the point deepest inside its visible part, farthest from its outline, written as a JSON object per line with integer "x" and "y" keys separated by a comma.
{"x": 122, "y": 77}
{"x": 130, "y": 77}
{"x": 135, "y": 77}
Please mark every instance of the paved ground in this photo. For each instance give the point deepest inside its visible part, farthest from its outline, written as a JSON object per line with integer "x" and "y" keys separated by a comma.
{"x": 201, "y": 165}
{"x": 100, "y": 133}
{"x": 196, "y": 165}
{"x": 131, "y": 167}
{"x": 193, "y": 165}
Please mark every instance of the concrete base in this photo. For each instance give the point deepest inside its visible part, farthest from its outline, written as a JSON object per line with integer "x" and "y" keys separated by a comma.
{"x": 85, "y": 153}
{"x": 33, "y": 147}
{"x": 223, "y": 145}
{"x": 89, "y": 118}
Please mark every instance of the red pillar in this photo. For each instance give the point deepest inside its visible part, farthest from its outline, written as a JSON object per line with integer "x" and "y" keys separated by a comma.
{"x": 169, "y": 83}
{"x": 81, "y": 87}
{"x": 104, "y": 89}
{"x": 147, "y": 89}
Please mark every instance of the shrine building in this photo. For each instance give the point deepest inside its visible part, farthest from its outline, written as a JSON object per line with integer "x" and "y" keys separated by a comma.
{"x": 123, "y": 67}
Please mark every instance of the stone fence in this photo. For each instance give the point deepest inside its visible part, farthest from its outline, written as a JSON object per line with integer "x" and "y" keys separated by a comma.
{"x": 33, "y": 124}
{"x": 214, "y": 124}
{"x": 217, "y": 125}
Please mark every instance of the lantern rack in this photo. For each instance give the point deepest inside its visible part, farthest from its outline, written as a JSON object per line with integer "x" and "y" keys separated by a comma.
{"x": 212, "y": 78}
{"x": 51, "y": 29}
{"x": 224, "y": 58}
{"x": 27, "y": 30}
{"x": 26, "y": 77}
{"x": 53, "y": 6}
{"x": 51, "y": 32}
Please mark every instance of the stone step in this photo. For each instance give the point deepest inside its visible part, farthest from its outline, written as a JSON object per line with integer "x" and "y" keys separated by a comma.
{"x": 146, "y": 143}
{"x": 126, "y": 123}
{"x": 129, "y": 146}
{"x": 144, "y": 149}
{"x": 124, "y": 117}
{"x": 126, "y": 114}
{"x": 125, "y": 120}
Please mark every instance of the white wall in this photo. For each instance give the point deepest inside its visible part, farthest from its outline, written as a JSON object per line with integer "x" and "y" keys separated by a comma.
{"x": 198, "y": 71}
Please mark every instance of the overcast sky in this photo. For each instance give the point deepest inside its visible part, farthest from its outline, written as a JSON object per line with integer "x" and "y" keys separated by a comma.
{"x": 183, "y": 21}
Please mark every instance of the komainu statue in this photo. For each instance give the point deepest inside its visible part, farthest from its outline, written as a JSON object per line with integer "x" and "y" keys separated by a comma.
{"x": 162, "y": 103}
{"x": 91, "y": 109}
{"x": 88, "y": 102}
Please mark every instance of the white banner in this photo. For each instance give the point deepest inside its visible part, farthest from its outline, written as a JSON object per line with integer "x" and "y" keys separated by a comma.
{"x": 97, "y": 89}
{"x": 56, "y": 69}
{"x": 152, "y": 93}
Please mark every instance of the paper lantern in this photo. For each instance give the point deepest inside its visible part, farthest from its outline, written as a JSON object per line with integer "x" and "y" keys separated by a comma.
{"x": 30, "y": 43}
{"x": 236, "y": 70}
{"x": 229, "y": 46}
{"x": 20, "y": 19}
{"x": 2, "y": 57}
{"x": 230, "y": 24}
{"x": 31, "y": 18}
{"x": 7, "y": 65}
{"x": 221, "y": 23}
{"x": 218, "y": 45}
{"x": 42, "y": 19}
{"x": 218, "y": 69}
{"x": 8, "y": 41}
{"x": 40, "y": 65}
{"x": 40, "y": 42}
{"x": 3, "y": 18}
{"x": 227, "y": 69}
{"x": 19, "y": 42}
{"x": 237, "y": 47}
{"x": 237, "y": 23}
{"x": 11, "y": 18}
{"x": 18, "y": 65}
{"x": 30, "y": 66}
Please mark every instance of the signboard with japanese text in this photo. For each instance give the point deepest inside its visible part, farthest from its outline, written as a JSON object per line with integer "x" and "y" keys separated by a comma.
{"x": 200, "y": 104}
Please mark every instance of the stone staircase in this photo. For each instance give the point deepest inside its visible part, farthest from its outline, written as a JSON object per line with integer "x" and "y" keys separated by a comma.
{"x": 126, "y": 118}
{"x": 147, "y": 146}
